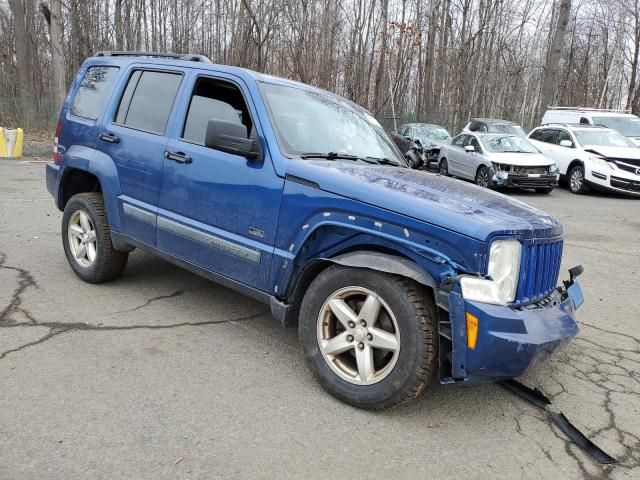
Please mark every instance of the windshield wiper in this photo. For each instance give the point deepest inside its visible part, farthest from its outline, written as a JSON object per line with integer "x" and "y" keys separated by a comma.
{"x": 337, "y": 156}
{"x": 385, "y": 161}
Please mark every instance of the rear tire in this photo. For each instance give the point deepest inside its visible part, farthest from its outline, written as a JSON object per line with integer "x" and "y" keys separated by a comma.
{"x": 577, "y": 182}
{"x": 86, "y": 239}
{"x": 544, "y": 191}
{"x": 391, "y": 373}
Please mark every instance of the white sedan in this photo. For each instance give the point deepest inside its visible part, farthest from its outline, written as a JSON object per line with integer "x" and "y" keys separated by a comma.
{"x": 498, "y": 160}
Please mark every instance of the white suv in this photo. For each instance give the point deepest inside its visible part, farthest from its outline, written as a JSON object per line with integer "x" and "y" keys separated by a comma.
{"x": 622, "y": 121}
{"x": 591, "y": 155}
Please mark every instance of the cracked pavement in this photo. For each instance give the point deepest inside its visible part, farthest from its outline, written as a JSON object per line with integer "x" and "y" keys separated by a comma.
{"x": 121, "y": 380}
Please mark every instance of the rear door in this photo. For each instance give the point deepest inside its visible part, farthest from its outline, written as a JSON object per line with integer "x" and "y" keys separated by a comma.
{"x": 218, "y": 211}
{"x": 134, "y": 137}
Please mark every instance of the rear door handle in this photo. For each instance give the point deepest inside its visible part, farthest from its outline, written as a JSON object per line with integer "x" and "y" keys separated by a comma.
{"x": 178, "y": 157}
{"x": 107, "y": 137}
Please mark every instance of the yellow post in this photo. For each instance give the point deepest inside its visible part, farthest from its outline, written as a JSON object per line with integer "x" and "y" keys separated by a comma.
{"x": 11, "y": 142}
{"x": 3, "y": 144}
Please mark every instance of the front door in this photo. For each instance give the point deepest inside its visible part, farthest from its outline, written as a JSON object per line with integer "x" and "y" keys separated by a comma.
{"x": 218, "y": 211}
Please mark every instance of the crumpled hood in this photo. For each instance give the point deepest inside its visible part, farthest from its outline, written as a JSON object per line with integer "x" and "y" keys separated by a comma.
{"x": 521, "y": 159}
{"x": 442, "y": 201}
{"x": 615, "y": 152}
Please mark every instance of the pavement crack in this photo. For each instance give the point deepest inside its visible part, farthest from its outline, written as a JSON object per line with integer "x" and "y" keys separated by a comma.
{"x": 25, "y": 281}
{"x": 57, "y": 328}
{"x": 175, "y": 294}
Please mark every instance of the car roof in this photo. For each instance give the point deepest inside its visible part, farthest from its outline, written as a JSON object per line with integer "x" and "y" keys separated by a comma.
{"x": 123, "y": 59}
{"x": 592, "y": 112}
{"x": 576, "y": 126}
{"x": 416, "y": 124}
{"x": 494, "y": 121}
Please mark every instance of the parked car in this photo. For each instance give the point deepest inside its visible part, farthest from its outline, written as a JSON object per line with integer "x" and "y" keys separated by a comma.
{"x": 413, "y": 151}
{"x": 298, "y": 198}
{"x": 498, "y": 160}
{"x": 432, "y": 137}
{"x": 620, "y": 120}
{"x": 591, "y": 156}
{"x": 493, "y": 125}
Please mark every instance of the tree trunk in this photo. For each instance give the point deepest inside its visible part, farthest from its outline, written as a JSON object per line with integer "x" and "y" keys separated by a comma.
{"x": 57, "y": 53}
{"x": 552, "y": 65}
{"x": 23, "y": 61}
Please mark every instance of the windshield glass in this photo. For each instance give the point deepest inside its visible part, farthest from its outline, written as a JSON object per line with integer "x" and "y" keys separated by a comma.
{"x": 504, "y": 128}
{"x": 626, "y": 125}
{"x": 503, "y": 144}
{"x": 310, "y": 122}
{"x": 603, "y": 138}
{"x": 432, "y": 134}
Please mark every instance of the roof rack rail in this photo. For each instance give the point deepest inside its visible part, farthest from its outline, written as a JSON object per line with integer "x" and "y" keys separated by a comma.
{"x": 588, "y": 109}
{"x": 189, "y": 57}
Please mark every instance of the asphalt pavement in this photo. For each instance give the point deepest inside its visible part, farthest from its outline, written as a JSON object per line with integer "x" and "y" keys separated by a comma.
{"x": 162, "y": 374}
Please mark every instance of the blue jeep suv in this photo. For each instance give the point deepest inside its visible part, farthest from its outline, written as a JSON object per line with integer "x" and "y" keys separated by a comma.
{"x": 395, "y": 278}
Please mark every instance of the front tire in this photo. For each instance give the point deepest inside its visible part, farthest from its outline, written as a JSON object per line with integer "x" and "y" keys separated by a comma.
{"x": 443, "y": 168}
{"x": 483, "y": 177}
{"x": 577, "y": 183}
{"x": 369, "y": 338}
{"x": 86, "y": 239}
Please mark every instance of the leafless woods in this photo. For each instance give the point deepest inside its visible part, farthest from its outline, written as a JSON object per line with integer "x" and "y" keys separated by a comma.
{"x": 431, "y": 60}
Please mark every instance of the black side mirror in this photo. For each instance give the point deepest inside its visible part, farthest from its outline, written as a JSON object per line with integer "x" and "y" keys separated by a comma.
{"x": 232, "y": 138}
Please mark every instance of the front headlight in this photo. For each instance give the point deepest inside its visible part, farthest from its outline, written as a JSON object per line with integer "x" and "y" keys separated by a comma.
{"x": 601, "y": 162}
{"x": 504, "y": 268}
{"x": 553, "y": 168}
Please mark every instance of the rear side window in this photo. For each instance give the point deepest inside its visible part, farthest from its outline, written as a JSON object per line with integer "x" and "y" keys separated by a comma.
{"x": 147, "y": 100}
{"x": 93, "y": 92}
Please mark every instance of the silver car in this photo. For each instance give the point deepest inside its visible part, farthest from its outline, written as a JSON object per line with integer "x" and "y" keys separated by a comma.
{"x": 498, "y": 160}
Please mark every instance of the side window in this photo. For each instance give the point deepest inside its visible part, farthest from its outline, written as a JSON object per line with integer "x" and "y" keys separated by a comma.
{"x": 473, "y": 141}
{"x": 93, "y": 92}
{"x": 537, "y": 135}
{"x": 214, "y": 99}
{"x": 147, "y": 101}
{"x": 474, "y": 126}
{"x": 547, "y": 135}
{"x": 459, "y": 140}
{"x": 482, "y": 127}
{"x": 403, "y": 130}
{"x": 562, "y": 135}
{"x": 584, "y": 120}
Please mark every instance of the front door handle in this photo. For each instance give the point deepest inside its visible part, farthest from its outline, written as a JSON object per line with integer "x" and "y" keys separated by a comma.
{"x": 178, "y": 157}
{"x": 107, "y": 137}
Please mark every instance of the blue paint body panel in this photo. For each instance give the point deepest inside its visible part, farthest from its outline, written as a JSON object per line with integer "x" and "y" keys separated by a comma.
{"x": 260, "y": 223}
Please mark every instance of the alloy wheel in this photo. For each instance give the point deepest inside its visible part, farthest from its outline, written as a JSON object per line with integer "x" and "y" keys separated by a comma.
{"x": 82, "y": 238}
{"x": 483, "y": 178}
{"x": 358, "y": 335}
{"x": 577, "y": 179}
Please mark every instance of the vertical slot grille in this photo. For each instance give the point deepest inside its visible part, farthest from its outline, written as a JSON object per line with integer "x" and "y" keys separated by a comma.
{"x": 539, "y": 270}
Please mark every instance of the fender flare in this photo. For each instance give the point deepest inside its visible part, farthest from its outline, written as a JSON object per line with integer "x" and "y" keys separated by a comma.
{"x": 384, "y": 262}
{"x": 287, "y": 314}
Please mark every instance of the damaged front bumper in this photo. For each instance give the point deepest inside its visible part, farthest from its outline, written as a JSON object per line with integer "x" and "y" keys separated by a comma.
{"x": 523, "y": 180}
{"x": 510, "y": 340}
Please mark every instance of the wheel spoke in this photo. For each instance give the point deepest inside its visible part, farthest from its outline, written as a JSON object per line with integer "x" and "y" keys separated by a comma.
{"x": 85, "y": 222}
{"x": 76, "y": 230}
{"x": 364, "y": 360}
{"x": 91, "y": 251}
{"x": 342, "y": 311}
{"x": 91, "y": 236}
{"x": 81, "y": 252}
{"x": 370, "y": 310}
{"x": 383, "y": 340}
{"x": 337, "y": 345}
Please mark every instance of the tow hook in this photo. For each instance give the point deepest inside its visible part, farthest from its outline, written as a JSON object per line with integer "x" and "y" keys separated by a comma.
{"x": 541, "y": 401}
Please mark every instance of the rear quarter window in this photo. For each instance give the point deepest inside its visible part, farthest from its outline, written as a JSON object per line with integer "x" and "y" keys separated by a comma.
{"x": 93, "y": 93}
